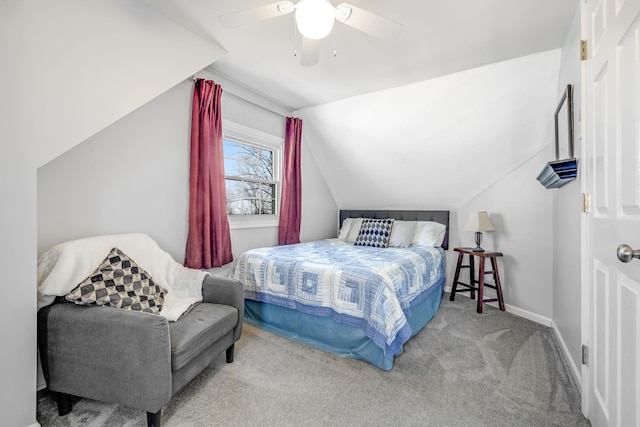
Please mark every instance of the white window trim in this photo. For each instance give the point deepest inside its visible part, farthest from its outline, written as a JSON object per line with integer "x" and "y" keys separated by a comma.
{"x": 242, "y": 133}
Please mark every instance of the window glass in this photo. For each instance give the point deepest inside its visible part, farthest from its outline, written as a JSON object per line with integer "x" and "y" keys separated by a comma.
{"x": 249, "y": 177}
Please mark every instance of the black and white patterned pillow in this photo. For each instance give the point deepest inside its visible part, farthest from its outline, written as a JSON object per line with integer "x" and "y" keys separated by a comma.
{"x": 375, "y": 232}
{"x": 119, "y": 282}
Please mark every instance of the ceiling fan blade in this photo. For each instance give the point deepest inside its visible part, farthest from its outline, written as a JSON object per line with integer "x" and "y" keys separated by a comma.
{"x": 256, "y": 14}
{"x": 368, "y": 22}
{"x": 310, "y": 52}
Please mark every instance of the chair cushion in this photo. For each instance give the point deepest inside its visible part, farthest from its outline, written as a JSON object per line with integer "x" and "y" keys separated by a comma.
{"x": 205, "y": 324}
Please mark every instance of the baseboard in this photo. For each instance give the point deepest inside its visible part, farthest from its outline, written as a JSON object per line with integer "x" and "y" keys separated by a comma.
{"x": 575, "y": 371}
{"x": 512, "y": 309}
{"x": 525, "y": 314}
{"x": 577, "y": 375}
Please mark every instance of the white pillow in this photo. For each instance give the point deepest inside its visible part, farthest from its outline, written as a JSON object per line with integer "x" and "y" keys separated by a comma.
{"x": 429, "y": 233}
{"x": 402, "y": 234}
{"x": 354, "y": 230}
{"x": 344, "y": 230}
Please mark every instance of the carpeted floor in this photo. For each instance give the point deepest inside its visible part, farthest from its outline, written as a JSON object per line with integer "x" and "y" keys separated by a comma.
{"x": 462, "y": 369}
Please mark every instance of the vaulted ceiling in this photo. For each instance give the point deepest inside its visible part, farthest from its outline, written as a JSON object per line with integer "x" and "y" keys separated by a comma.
{"x": 439, "y": 142}
{"x": 438, "y": 38}
{"x": 431, "y": 118}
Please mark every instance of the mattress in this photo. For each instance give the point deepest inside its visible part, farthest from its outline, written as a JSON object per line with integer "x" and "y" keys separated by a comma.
{"x": 370, "y": 289}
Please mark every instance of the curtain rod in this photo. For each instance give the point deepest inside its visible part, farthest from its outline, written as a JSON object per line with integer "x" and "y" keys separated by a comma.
{"x": 239, "y": 98}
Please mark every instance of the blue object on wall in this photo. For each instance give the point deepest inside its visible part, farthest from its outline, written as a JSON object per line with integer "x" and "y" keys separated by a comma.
{"x": 557, "y": 173}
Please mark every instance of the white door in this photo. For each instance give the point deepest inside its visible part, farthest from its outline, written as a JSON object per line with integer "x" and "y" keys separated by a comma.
{"x": 611, "y": 162}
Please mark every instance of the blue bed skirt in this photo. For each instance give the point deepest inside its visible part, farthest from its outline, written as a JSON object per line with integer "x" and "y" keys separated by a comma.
{"x": 337, "y": 338}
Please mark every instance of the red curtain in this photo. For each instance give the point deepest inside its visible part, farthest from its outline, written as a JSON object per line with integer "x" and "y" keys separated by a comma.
{"x": 291, "y": 200}
{"x": 208, "y": 239}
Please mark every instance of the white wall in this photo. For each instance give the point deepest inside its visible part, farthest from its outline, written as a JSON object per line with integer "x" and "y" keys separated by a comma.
{"x": 319, "y": 210}
{"x": 437, "y": 143}
{"x": 92, "y": 62}
{"x": 128, "y": 177}
{"x": 520, "y": 208}
{"x": 567, "y": 217}
{"x": 133, "y": 176}
{"x": 83, "y": 65}
{"x": 474, "y": 140}
{"x": 69, "y": 68}
{"x": 17, "y": 230}
{"x": 17, "y": 262}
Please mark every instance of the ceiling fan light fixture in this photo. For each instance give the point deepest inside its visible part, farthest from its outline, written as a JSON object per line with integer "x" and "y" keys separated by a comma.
{"x": 315, "y": 18}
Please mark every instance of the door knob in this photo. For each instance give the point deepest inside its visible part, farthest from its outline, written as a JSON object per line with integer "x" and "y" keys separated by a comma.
{"x": 626, "y": 254}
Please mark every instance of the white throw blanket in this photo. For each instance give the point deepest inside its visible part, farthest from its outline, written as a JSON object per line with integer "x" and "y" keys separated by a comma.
{"x": 64, "y": 266}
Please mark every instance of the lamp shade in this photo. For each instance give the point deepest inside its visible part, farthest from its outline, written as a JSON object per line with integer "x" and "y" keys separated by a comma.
{"x": 479, "y": 221}
{"x": 315, "y": 18}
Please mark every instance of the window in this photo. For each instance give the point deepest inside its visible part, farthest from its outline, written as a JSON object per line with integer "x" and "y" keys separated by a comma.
{"x": 248, "y": 170}
{"x": 252, "y": 173}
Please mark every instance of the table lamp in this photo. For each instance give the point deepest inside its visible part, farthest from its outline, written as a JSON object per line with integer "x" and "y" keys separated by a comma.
{"x": 479, "y": 222}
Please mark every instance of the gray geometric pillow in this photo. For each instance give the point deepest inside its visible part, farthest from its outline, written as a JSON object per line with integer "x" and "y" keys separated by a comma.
{"x": 375, "y": 232}
{"x": 119, "y": 282}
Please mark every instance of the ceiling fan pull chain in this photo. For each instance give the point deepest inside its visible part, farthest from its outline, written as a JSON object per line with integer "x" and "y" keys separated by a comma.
{"x": 335, "y": 52}
{"x": 295, "y": 37}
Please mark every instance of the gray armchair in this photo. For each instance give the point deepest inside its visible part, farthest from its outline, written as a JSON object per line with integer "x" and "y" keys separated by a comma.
{"x": 134, "y": 358}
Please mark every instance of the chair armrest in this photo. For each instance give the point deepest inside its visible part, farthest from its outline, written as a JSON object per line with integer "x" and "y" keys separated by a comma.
{"x": 222, "y": 290}
{"x": 107, "y": 354}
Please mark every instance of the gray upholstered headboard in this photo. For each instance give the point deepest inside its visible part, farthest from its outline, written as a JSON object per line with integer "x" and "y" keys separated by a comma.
{"x": 437, "y": 216}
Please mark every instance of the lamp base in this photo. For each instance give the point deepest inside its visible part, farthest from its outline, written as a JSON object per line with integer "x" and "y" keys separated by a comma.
{"x": 478, "y": 241}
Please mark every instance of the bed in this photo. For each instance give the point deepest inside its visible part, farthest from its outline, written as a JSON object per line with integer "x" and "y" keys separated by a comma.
{"x": 353, "y": 300}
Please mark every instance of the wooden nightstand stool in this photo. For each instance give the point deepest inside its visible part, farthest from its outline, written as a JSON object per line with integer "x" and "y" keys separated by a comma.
{"x": 471, "y": 286}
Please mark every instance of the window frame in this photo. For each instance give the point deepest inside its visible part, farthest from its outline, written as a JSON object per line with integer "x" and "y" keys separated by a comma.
{"x": 246, "y": 135}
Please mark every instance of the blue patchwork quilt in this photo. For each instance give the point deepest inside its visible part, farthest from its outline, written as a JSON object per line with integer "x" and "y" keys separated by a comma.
{"x": 371, "y": 288}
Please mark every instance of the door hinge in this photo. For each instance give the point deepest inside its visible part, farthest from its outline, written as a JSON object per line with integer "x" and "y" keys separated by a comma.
{"x": 585, "y": 355}
{"x": 583, "y": 50}
{"x": 586, "y": 203}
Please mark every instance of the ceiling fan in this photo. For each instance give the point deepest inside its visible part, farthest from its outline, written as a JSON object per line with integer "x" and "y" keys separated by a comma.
{"x": 315, "y": 20}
